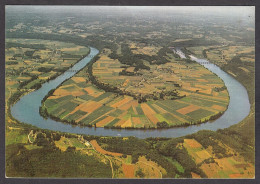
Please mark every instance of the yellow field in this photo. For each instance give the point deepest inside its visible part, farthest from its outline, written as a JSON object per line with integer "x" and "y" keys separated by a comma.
{"x": 202, "y": 80}
{"x": 194, "y": 175}
{"x": 11, "y": 82}
{"x": 196, "y": 151}
{"x": 247, "y": 59}
{"x": 63, "y": 92}
{"x": 152, "y": 118}
{"x": 159, "y": 108}
{"x": 218, "y": 107}
{"x": 128, "y": 170}
{"x": 78, "y": 79}
{"x": 127, "y": 123}
{"x": 188, "y": 109}
{"x": 136, "y": 121}
{"x": 120, "y": 123}
{"x": 92, "y": 91}
{"x": 126, "y": 106}
{"x": 101, "y": 150}
{"x": 203, "y": 154}
{"x": 89, "y": 90}
{"x": 192, "y": 143}
{"x": 105, "y": 121}
{"x": 147, "y": 110}
{"x": 89, "y": 106}
{"x": 244, "y": 69}
{"x": 122, "y": 102}
{"x": 23, "y": 78}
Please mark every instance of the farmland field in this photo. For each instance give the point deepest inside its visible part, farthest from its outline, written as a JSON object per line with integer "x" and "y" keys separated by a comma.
{"x": 228, "y": 167}
{"x": 39, "y": 57}
{"x": 197, "y": 95}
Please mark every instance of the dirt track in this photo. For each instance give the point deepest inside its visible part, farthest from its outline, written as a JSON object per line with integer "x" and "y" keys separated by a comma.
{"x": 101, "y": 150}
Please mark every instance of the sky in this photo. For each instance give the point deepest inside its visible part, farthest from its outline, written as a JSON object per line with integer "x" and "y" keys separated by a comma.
{"x": 240, "y": 11}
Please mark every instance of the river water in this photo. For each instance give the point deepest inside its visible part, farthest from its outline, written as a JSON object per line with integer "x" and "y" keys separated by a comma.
{"x": 27, "y": 108}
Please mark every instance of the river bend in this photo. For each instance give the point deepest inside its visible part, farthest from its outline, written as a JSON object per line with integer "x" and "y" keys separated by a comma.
{"x": 27, "y": 108}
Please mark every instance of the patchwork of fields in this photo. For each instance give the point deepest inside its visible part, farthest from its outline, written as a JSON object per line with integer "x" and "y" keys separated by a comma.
{"x": 224, "y": 54}
{"x": 30, "y": 62}
{"x": 80, "y": 102}
{"x": 177, "y": 75}
{"x": 226, "y": 167}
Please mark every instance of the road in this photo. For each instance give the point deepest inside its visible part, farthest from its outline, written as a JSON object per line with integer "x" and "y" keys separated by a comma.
{"x": 29, "y": 136}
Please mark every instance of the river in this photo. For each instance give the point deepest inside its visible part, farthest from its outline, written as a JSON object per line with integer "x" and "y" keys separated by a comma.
{"x": 27, "y": 108}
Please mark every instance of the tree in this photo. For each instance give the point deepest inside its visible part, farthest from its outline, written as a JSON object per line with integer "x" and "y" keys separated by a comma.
{"x": 140, "y": 173}
{"x": 162, "y": 124}
{"x": 71, "y": 149}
